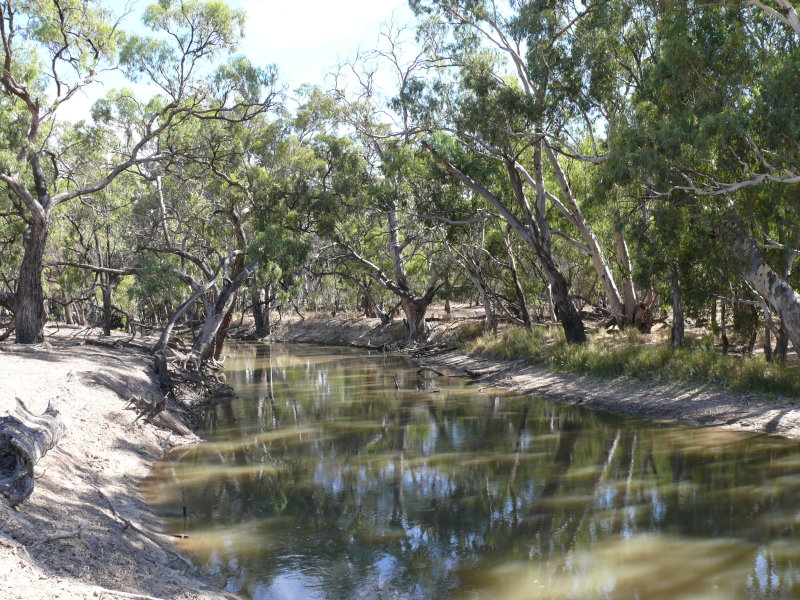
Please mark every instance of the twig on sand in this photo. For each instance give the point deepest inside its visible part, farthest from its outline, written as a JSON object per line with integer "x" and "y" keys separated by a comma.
{"x": 78, "y": 533}
{"x": 141, "y": 532}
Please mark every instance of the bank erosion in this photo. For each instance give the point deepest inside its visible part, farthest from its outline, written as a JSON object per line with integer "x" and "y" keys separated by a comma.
{"x": 86, "y": 531}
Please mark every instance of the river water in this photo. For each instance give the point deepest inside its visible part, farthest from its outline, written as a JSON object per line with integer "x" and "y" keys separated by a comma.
{"x": 340, "y": 473}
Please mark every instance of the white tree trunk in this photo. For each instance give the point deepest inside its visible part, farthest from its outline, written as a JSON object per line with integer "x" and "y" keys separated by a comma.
{"x": 772, "y": 287}
{"x": 574, "y": 214}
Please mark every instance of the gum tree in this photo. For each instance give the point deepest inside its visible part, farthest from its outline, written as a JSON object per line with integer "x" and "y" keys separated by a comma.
{"x": 51, "y": 50}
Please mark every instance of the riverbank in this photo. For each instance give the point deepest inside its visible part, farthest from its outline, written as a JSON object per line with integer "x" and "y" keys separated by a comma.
{"x": 681, "y": 401}
{"x": 86, "y": 531}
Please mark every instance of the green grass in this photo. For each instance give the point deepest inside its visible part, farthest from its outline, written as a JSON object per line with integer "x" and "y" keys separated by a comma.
{"x": 626, "y": 356}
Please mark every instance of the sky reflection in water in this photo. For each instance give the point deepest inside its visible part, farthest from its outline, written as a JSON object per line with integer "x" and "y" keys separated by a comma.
{"x": 324, "y": 481}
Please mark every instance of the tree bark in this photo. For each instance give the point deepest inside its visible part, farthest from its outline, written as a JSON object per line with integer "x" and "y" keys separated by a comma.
{"x": 772, "y": 287}
{"x": 767, "y": 343}
{"x": 570, "y": 320}
{"x": 24, "y": 439}
{"x": 258, "y": 311}
{"x": 67, "y": 312}
{"x": 486, "y": 301}
{"x": 414, "y": 310}
{"x": 536, "y": 234}
{"x": 781, "y": 345}
{"x": 574, "y": 214}
{"x": 163, "y": 340}
{"x": 629, "y": 296}
{"x": 677, "y": 334}
{"x": 30, "y": 295}
{"x": 204, "y": 346}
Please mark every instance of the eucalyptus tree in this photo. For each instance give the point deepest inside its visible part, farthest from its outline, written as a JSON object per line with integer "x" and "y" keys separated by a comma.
{"x": 51, "y": 51}
{"x": 373, "y": 224}
{"x": 719, "y": 139}
{"x": 554, "y": 73}
{"x": 97, "y": 241}
{"x": 200, "y": 218}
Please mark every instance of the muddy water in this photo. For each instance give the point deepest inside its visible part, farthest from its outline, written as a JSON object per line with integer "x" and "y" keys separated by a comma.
{"x": 343, "y": 474}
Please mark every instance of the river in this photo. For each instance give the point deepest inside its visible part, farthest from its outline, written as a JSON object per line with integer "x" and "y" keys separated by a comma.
{"x": 341, "y": 473}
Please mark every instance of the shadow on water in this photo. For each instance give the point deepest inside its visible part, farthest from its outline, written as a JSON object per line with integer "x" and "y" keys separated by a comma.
{"x": 343, "y": 474}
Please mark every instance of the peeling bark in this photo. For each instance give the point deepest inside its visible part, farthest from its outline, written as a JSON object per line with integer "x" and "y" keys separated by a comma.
{"x": 784, "y": 300}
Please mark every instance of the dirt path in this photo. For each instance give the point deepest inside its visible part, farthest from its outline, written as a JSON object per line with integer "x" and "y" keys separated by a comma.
{"x": 689, "y": 404}
{"x": 89, "y": 483}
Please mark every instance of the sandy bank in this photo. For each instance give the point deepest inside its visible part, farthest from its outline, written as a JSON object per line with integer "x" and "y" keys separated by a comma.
{"x": 89, "y": 483}
{"x": 684, "y": 402}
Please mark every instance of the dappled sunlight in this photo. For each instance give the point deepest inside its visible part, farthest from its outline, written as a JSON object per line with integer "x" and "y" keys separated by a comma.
{"x": 363, "y": 473}
{"x": 649, "y": 566}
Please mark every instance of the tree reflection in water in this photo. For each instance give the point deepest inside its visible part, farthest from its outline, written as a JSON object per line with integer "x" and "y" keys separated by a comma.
{"x": 324, "y": 479}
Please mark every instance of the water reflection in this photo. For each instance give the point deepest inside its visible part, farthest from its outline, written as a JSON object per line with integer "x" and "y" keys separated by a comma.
{"x": 340, "y": 474}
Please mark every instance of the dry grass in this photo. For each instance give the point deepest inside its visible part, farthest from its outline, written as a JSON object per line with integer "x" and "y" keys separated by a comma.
{"x": 629, "y": 354}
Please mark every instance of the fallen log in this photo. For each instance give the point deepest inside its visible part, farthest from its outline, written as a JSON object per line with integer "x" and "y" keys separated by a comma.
{"x": 24, "y": 439}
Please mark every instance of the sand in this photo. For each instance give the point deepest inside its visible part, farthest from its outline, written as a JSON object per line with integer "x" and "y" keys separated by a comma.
{"x": 89, "y": 483}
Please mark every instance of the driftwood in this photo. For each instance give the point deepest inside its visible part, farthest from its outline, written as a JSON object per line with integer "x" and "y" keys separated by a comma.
{"x": 24, "y": 439}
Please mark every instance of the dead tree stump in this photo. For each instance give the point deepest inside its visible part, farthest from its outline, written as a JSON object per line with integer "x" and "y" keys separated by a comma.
{"x": 161, "y": 367}
{"x": 24, "y": 439}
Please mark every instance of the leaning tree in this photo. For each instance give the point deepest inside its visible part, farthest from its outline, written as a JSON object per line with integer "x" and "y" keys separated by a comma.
{"x": 51, "y": 52}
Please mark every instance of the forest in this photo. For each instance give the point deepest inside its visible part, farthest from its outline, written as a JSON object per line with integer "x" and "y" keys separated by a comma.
{"x": 601, "y": 164}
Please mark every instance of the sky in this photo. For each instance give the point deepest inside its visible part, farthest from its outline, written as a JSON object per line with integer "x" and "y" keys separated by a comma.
{"x": 304, "y": 38}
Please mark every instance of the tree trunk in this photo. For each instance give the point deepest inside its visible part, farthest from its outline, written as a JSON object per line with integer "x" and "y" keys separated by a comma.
{"x": 535, "y": 233}
{"x": 767, "y": 343}
{"x": 677, "y": 334}
{"x": 570, "y": 320}
{"x": 772, "y": 287}
{"x": 30, "y": 296}
{"x": 268, "y": 311}
{"x": 258, "y": 312}
{"x": 222, "y": 330}
{"x": 24, "y": 439}
{"x": 218, "y": 314}
{"x": 781, "y": 345}
{"x": 167, "y": 332}
{"x": 723, "y": 329}
{"x": 67, "y": 312}
{"x": 629, "y": 297}
{"x": 485, "y": 300}
{"x": 512, "y": 265}
{"x": 414, "y": 311}
{"x": 574, "y": 214}
{"x": 107, "y": 290}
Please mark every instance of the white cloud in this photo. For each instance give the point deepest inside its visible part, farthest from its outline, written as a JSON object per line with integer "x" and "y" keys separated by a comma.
{"x": 280, "y": 24}
{"x": 306, "y": 38}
